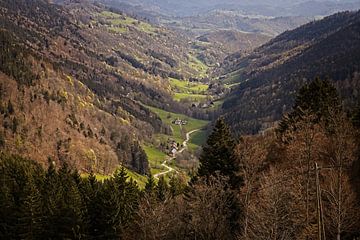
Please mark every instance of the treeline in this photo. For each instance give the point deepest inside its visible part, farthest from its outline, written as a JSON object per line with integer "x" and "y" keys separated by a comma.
{"x": 59, "y": 204}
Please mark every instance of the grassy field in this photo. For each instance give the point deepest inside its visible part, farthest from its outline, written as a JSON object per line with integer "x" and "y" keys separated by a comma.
{"x": 98, "y": 177}
{"x": 120, "y": 23}
{"x": 156, "y": 158}
{"x": 189, "y": 96}
{"x": 231, "y": 78}
{"x": 197, "y": 65}
{"x": 193, "y": 91}
{"x": 231, "y": 85}
{"x": 218, "y": 103}
{"x": 197, "y": 139}
{"x": 187, "y": 87}
{"x": 168, "y": 117}
{"x": 140, "y": 179}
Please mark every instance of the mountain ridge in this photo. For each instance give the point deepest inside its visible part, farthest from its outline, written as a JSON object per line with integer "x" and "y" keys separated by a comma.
{"x": 273, "y": 72}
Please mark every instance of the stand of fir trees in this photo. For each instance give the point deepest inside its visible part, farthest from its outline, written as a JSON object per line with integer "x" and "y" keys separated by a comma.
{"x": 59, "y": 204}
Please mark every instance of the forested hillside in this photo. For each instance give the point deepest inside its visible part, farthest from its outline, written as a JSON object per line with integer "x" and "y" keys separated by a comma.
{"x": 269, "y": 78}
{"x": 76, "y": 81}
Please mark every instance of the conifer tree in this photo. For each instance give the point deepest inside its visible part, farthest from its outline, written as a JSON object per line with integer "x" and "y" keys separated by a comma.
{"x": 176, "y": 186}
{"x": 218, "y": 155}
{"x": 70, "y": 219}
{"x": 7, "y": 218}
{"x": 150, "y": 185}
{"x": 115, "y": 204}
{"x": 31, "y": 214}
{"x": 162, "y": 189}
{"x": 318, "y": 98}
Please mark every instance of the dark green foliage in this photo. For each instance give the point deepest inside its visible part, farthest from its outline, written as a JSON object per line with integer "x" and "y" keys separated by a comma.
{"x": 176, "y": 186}
{"x": 59, "y": 204}
{"x": 218, "y": 155}
{"x": 150, "y": 185}
{"x": 164, "y": 58}
{"x": 21, "y": 202}
{"x": 162, "y": 189}
{"x": 131, "y": 152}
{"x": 319, "y": 98}
{"x": 32, "y": 217}
{"x": 114, "y": 206}
{"x": 139, "y": 160}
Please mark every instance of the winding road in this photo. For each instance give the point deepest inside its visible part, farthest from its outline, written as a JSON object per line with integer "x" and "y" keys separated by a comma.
{"x": 169, "y": 159}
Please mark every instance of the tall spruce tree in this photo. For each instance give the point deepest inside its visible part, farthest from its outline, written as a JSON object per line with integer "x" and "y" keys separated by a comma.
{"x": 218, "y": 155}
{"x": 31, "y": 216}
{"x": 150, "y": 185}
{"x": 162, "y": 189}
{"x": 319, "y": 98}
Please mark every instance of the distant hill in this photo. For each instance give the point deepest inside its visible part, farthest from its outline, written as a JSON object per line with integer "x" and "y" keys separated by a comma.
{"x": 269, "y": 77}
{"x": 232, "y": 41}
{"x": 275, "y": 8}
{"x": 237, "y": 20}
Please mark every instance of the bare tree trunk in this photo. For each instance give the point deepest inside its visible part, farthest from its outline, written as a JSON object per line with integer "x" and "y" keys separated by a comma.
{"x": 307, "y": 192}
{"x": 318, "y": 201}
{"x": 338, "y": 237}
{"x": 246, "y": 212}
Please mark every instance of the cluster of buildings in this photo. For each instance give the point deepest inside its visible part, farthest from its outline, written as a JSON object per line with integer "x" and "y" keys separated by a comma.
{"x": 179, "y": 122}
{"x": 203, "y": 105}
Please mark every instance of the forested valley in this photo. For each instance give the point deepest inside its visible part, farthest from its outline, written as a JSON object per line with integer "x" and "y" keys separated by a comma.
{"x": 179, "y": 120}
{"x": 298, "y": 181}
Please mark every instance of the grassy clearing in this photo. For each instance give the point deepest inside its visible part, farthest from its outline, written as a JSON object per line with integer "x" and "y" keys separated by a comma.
{"x": 109, "y": 14}
{"x": 98, "y": 177}
{"x": 197, "y": 65}
{"x": 189, "y": 96}
{"x": 140, "y": 179}
{"x": 231, "y": 85}
{"x": 120, "y": 23}
{"x": 156, "y": 158}
{"x": 178, "y": 131}
{"x": 117, "y": 29}
{"x": 187, "y": 87}
{"x": 191, "y": 91}
{"x": 168, "y": 117}
{"x": 231, "y": 78}
{"x": 218, "y": 103}
{"x": 197, "y": 139}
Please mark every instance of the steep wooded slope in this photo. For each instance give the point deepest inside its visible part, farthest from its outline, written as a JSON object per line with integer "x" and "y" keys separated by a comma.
{"x": 72, "y": 78}
{"x": 269, "y": 77}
